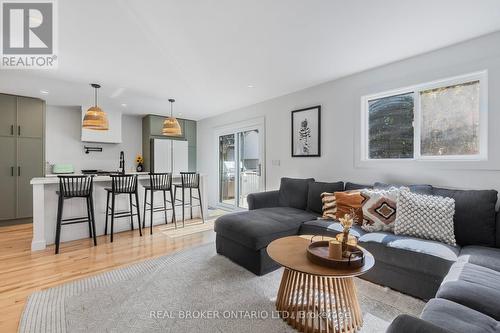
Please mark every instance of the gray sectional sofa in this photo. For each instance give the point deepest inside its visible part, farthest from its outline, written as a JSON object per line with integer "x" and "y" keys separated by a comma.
{"x": 462, "y": 283}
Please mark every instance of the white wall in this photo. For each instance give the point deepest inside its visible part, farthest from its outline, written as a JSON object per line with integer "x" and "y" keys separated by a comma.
{"x": 63, "y": 144}
{"x": 340, "y": 101}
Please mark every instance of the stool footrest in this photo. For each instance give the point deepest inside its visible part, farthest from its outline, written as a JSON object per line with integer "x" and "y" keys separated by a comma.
{"x": 158, "y": 209}
{"x": 118, "y": 215}
{"x": 75, "y": 220}
{"x": 147, "y": 203}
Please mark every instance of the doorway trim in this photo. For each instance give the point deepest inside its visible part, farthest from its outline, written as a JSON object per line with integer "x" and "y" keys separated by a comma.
{"x": 233, "y": 128}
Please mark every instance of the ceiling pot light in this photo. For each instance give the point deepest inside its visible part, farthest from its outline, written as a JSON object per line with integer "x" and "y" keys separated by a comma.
{"x": 171, "y": 126}
{"x": 250, "y": 86}
{"x": 95, "y": 118}
{"x": 44, "y": 92}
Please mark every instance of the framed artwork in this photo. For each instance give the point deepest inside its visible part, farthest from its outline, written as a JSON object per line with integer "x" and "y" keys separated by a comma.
{"x": 306, "y": 132}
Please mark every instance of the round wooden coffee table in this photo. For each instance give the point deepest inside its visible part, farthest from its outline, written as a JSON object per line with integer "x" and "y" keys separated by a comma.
{"x": 313, "y": 298}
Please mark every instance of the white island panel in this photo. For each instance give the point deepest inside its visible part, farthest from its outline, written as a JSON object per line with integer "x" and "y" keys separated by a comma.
{"x": 45, "y": 210}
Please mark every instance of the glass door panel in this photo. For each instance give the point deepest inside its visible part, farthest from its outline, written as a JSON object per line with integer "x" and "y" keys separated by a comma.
{"x": 227, "y": 169}
{"x": 249, "y": 163}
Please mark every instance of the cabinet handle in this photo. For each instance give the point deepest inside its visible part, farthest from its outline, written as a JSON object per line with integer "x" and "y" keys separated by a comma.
{"x": 19, "y": 171}
{"x": 12, "y": 171}
{"x": 19, "y": 130}
{"x": 11, "y": 129}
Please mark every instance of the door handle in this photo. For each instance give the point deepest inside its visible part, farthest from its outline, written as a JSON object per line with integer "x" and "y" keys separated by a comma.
{"x": 19, "y": 130}
{"x": 12, "y": 171}
{"x": 11, "y": 129}
{"x": 19, "y": 171}
{"x": 259, "y": 170}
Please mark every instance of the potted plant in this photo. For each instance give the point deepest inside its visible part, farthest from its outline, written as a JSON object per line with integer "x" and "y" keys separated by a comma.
{"x": 347, "y": 221}
{"x": 140, "y": 161}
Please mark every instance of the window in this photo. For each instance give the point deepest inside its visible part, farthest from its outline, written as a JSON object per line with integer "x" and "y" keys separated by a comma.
{"x": 391, "y": 126}
{"x": 443, "y": 120}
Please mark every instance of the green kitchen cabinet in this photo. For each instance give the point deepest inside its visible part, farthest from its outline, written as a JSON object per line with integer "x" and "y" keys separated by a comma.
{"x": 7, "y": 115}
{"x": 29, "y": 117}
{"x": 22, "y": 144}
{"x": 192, "y": 159}
{"x": 156, "y": 125}
{"x": 29, "y": 165}
{"x": 8, "y": 178}
{"x": 190, "y": 132}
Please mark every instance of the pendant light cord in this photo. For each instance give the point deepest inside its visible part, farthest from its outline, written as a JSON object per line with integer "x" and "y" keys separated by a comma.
{"x": 95, "y": 96}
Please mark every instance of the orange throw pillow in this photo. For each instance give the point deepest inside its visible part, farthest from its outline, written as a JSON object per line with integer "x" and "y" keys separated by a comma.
{"x": 347, "y": 201}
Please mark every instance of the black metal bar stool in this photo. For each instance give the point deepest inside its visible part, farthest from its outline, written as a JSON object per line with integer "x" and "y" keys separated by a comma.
{"x": 191, "y": 181}
{"x": 75, "y": 187}
{"x": 159, "y": 182}
{"x": 122, "y": 184}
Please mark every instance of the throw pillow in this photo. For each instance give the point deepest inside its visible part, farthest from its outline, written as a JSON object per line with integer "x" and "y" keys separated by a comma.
{"x": 425, "y": 216}
{"x": 329, "y": 205}
{"x": 348, "y": 201}
{"x": 475, "y": 215}
{"x": 293, "y": 192}
{"x": 417, "y": 188}
{"x": 314, "y": 202}
{"x": 379, "y": 209}
{"x": 353, "y": 186}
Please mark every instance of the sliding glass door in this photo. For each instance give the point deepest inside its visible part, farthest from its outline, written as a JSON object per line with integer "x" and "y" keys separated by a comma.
{"x": 241, "y": 158}
{"x": 227, "y": 169}
{"x": 249, "y": 165}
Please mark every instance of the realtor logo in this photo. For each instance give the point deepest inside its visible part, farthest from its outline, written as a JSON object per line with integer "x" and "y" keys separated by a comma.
{"x": 28, "y": 34}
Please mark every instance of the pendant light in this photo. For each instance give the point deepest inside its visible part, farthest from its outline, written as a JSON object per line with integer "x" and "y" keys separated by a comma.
{"x": 95, "y": 118}
{"x": 171, "y": 126}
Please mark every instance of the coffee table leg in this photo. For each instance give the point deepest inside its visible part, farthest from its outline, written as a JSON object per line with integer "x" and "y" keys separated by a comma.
{"x": 319, "y": 304}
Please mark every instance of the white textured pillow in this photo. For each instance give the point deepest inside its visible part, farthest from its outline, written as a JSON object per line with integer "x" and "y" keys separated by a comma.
{"x": 379, "y": 209}
{"x": 425, "y": 216}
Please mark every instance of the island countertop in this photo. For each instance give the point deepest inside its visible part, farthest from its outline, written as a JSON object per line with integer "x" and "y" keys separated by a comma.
{"x": 52, "y": 178}
{"x": 45, "y": 202}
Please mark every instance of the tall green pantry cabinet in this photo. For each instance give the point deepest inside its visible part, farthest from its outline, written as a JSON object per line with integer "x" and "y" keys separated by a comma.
{"x": 21, "y": 153}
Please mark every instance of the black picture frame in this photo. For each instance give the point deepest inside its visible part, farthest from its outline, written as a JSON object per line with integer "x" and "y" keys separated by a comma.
{"x": 297, "y": 144}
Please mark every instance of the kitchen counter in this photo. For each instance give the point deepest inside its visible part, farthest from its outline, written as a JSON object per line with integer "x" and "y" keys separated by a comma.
{"x": 45, "y": 209}
{"x": 52, "y": 178}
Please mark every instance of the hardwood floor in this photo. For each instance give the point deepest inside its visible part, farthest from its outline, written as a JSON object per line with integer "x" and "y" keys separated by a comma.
{"x": 23, "y": 272}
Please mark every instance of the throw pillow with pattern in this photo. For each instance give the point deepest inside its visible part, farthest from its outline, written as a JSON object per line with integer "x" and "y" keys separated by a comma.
{"x": 329, "y": 205}
{"x": 379, "y": 209}
{"x": 348, "y": 201}
{"x": 425, "y": 216}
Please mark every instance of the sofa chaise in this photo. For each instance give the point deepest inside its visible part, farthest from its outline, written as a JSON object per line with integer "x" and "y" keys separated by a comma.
{"x": 462, "y": 283}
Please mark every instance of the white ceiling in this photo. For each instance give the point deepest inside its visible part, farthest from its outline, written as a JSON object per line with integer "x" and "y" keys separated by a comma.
{"x": 205, "y": 53}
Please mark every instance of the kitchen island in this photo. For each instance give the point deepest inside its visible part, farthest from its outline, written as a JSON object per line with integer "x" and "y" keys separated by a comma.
{"x": 45, "y": 209}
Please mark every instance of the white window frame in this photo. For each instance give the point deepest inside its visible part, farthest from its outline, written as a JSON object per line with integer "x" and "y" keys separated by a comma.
{"x": 481, "y": 76}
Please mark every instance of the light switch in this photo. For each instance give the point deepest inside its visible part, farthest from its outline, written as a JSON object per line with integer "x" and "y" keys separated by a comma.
{"x": 276, "y": 162}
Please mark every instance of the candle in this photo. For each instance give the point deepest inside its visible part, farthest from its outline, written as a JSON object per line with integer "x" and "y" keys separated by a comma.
{"x": 335, "y": 249}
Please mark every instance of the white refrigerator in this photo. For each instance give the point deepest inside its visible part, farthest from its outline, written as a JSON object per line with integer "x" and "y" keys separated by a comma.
{"x": 169, "y": 156}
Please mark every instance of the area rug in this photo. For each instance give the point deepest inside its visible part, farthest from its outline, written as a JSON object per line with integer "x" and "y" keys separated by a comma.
{"x": 190, "y": 291}
{"x": 189, "y": 228}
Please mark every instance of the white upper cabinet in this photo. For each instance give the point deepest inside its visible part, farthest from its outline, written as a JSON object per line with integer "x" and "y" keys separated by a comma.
{"x": 112, "y": 135}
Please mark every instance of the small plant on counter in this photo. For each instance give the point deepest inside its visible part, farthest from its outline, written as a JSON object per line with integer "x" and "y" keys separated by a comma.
{"x": 140, "y": 161}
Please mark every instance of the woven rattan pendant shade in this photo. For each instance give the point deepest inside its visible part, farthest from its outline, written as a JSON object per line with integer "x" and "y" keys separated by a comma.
{"x": 171, "y": 126}
{"x": 95, "y": 118}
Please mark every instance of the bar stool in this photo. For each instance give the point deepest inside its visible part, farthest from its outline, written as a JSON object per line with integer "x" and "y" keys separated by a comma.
{"x": 159, "y": 182}
{"x": 189, "y": 180}
{"x": 122, "y": 184}
{"x": 75, "y": 187}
